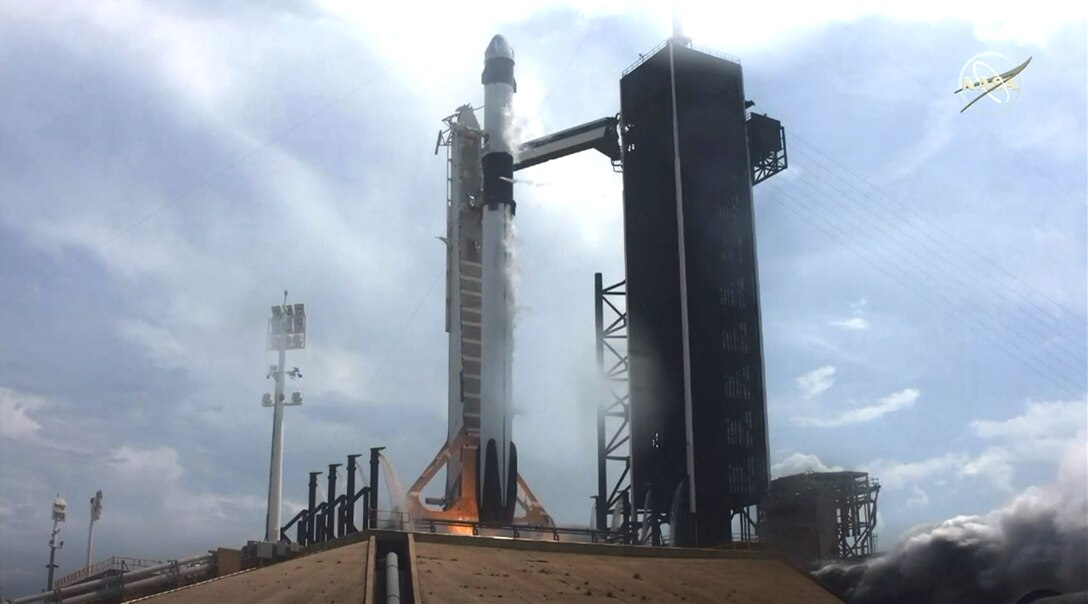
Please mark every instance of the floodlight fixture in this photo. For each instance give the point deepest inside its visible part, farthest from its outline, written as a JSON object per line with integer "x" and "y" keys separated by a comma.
{"x": 59, "y": 507}
{"x": 96, "y": 506}
{"x": 287, "y": 327}
{"x": 96, "y": 514}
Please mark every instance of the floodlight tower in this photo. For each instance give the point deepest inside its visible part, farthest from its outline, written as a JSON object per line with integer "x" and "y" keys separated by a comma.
{"x": 59, "y": 506}
{"x": 96, "y": 513}
{"x": 286, "y": 331}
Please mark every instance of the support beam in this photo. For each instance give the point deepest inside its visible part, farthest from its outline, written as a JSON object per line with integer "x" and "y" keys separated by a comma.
{"x": 600, "y": 134}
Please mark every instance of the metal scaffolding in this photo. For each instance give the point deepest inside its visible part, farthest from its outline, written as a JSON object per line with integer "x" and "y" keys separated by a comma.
{"x": 821, "y": 516}
{"x": 855, "y": 503}
{"x": 613, "y": 412}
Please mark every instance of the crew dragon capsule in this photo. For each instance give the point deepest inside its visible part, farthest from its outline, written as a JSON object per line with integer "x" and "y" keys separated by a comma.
{"x": 498, "y": 471}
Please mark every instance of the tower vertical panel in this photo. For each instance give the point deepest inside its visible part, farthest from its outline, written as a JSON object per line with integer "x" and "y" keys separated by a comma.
{"x": 653, "y": 284}
{"x": 728, "y": 408}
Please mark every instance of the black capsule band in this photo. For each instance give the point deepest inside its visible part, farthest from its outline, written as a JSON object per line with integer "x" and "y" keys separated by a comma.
{"x": 499, "y": 71}
{"x": 498, "y": 177}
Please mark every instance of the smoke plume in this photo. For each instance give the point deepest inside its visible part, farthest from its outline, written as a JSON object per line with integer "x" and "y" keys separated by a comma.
{"x": 512, "y": 274}
{"x": 1039, "y": 540}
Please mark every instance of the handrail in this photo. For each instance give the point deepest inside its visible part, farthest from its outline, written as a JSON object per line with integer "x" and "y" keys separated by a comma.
{"x": 173, "y": 568}
{"x": 121, "y": 563}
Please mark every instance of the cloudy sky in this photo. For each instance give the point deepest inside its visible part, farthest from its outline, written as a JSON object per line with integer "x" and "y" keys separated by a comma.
{"x": 167, "y": 169}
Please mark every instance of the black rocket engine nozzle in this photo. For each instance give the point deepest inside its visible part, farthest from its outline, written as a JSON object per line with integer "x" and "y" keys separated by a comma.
{"x": 494, "y": 507}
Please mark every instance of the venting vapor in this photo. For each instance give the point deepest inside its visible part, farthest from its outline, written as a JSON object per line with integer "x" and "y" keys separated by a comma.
{"x": 1038, "y": 541}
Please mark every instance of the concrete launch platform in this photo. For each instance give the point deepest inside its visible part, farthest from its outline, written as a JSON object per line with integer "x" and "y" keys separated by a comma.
{"x": 448, "y": 568}
{"x": 333, "y": 576}
{"x": 457, "y": 573}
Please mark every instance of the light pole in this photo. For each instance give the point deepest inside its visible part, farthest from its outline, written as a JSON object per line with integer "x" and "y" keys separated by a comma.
{"x": 96, "y": 513}
{"x": 286, "y": 331}
{"x": 59, "y": 505}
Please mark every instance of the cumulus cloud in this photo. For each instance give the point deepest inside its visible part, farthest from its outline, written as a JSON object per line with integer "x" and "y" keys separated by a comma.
{"x": 889, "y": 404}
{"x": 918, "y": 498}
{"x": 799, "y": 463}
{"x": 158, "y": 465}
{"x": 17, "y": 411}
{"x": 853, "y": 324}
{"x": 1042, "y": 431}
{"x": 994, "y": 464}
{"x": 158, "y": 475}
{"x": 158, "y": 342}
{"x": 816, "y": 381}
{"x": 935, "y": 137}
{"x": 896, "y": 475}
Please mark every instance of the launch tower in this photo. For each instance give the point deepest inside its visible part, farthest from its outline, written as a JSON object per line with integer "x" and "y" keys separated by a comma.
{"x": 697, "y": 407}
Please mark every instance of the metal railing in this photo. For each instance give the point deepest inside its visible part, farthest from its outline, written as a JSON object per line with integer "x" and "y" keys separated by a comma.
{"x": 122, "y": 564}
{"x": 643, "y": 57}
{"x": 516, "y": 531}
{"x": 118, "y": 587}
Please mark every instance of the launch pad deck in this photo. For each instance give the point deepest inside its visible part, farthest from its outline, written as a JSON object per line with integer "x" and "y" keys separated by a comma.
{"x": 450, "y": 568}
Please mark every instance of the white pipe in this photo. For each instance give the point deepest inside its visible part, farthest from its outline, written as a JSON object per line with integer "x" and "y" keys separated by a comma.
{"x": 148, "y": 582}
{"x": 392, "y": 579}
{"x": 65, "y": 594}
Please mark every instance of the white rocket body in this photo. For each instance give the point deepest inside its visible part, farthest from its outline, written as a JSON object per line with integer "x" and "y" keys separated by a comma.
{"x": 498, "y": 456}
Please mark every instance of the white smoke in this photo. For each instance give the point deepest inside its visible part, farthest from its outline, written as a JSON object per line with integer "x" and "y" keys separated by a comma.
{"x": 512, "y": 275}
{"x": 519, "y": 129}
{"x": 524, "y": 181}
{"x": 1039, "y": 540}
{"x": 397, "y": 494}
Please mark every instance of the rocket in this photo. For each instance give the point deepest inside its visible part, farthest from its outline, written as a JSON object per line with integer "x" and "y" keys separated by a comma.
{"x": 497, "y": 466}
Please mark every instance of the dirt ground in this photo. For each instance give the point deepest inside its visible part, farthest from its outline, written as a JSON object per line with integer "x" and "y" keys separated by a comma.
{"x": 336, "y": 576}
{"x": 454, "y": 573}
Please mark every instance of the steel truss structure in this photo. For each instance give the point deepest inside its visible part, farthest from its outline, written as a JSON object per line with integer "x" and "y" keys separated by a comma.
{"x": 821, "y": 515}
{"x": 856, "y": 515}
{"x": 613, "y": 413}
{"x": 630, "y": 522}
{"x": 766, "y": 147}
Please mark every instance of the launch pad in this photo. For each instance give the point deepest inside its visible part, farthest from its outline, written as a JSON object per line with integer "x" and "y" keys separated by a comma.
{"x": 686, "y": 417}
{"x": 693, "y": 430}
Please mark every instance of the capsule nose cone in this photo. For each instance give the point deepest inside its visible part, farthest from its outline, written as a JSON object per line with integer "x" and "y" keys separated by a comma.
{"x": 499, "y": 48}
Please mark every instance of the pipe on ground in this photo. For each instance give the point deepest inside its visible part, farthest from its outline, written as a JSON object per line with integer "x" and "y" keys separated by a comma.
{"x": 65, "y": 593}
{"x": 183, "y": 573}
{"x": 392, "y": 579}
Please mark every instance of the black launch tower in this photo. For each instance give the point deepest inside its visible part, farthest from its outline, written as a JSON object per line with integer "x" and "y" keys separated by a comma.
{"x": 697, "y": 406}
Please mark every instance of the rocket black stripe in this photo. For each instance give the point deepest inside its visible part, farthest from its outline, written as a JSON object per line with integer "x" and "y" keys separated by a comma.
{"x": 499, "y": 70}
{"x": 498, "y": 179}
